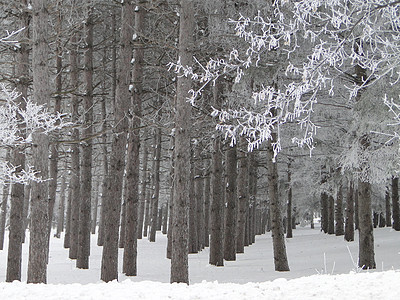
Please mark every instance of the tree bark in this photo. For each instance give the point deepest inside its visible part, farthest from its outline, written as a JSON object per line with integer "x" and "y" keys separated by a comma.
{"x": 37, "y": 264}
{"x": 339, "y": 226}
{"x": 395, "y": 204}
{"x": 243, "y": 199}
{"x": 67, "y": 236}
{"x": 207, "y": 195}
{"x": 366, "y": 238}
{"x": 388, "y": 209}
{"x": 3, "y": 216}
{"x": 278, "y": 239}
{"x": 75, "y": 155}
{"x": 109, "y": 265}
{"x": 230, "y": 200}
{"x": 331, "y": 214}
{"x": 179, "y": 259}
{"x": 349, "y": 226}
{"x": 289, "y": 232}
{"x": 156, "y": 184}
{"x": 61, "y": 207}
{"x": 142, "y": 201}
{"x": 14, "y": 255}
{"x": 193, "y": 221}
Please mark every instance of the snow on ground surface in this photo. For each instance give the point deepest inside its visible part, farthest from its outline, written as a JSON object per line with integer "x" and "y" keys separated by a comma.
{"x": 321, "y": 268}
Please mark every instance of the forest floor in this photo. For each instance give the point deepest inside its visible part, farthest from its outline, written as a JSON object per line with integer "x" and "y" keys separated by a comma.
{"x": 322, "y": 267}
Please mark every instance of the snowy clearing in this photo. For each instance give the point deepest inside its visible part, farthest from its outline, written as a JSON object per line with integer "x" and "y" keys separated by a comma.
{"x": 313, "y": 258}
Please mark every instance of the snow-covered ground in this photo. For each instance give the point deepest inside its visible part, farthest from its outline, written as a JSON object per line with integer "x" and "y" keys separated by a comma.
{"x": 315, "y": 260}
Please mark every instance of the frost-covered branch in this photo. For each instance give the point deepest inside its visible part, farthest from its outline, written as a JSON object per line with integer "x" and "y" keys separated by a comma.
{"x": 17, "y": 125}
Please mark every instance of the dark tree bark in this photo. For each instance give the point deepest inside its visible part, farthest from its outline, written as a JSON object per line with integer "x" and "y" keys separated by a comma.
{"x": 217, "y": 199}
{"x": 14, "y": 255}
{"x": 193, "y": 222}
{"x": 179, "y": 259}
{"x": 171, "y": 196}
{"x": 67, "y": 236}
{"x": 37, "y": 264}
{"x": 395, "y": 204}
{"x": 366, "y": 239}
{"x": 253, "y": 174}
{"x": 278, "y": 239}
{"x": 109, "y": 265}
{"x": 95, "y": 206}
{"x": 356, "y": 218}
{"x": 199, "y": 193}
{"x": 324, "y": 202}
{"x": 230, "y": 200}
{"x": 75, "y": 155}
{"x": 61, "y": 207}
{"x": 243, "y": 198}
{"x": 289, "y": 232}
{"x": 339, "y": 226}
{"x": 164, "y": 229}
{"x": 207, "y": 196}
{"x": 388, "y": 215}
{"x": 142, "y": 200}
{"x": 87, "y": 150}
{"x": 331, "y": 214}
{"x": 349, "y": 226}
{"x": 156, "y": 184}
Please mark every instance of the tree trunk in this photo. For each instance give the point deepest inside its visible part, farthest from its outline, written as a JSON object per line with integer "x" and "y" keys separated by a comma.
{"x": 230, "y": 200}
{"x": 67, "y": 236}
{"x": 37, "y": 264}
{"x": 156, "y": 184}
{"x": 61, "y": 207}
{"x": 75, "y": 160}
{"x": 331, "y": 214}
{"x": 199, "y": 193}
{"x": 217, "y": 199}
{"x": 14, "y": 255}
{"x": 87, "y": 149}
{"x": 207, "y": 195}
{"x": 388, "y": 209}
{"x": 109, "y": 264}
{"x": 395, "y": 204}
{"x": 252, "y": 194}
{"x": 179, "y": 259}
{"x": 95, "y": 206}
{"x": 356, "y": 218}
{"x": 142, "y": 200}
{"x": 289, "y": 232}
{"x": 339, "y": 227}
{"x": 366, "y": 240}
{"x": 164, "y": 224}
{"x": 278, "y": 239}
{"x": 171, "y": 195}
{"x": 242, "y": 190}
{"x": 349, "y": 226}
{"x": 193, "y": 222}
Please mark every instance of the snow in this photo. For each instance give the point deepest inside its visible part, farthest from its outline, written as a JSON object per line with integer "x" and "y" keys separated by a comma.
{"x": 321, "y": 268}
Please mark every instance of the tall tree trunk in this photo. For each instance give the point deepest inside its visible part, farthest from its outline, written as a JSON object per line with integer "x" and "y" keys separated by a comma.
{"x": 356, "y": 218}
{"x": 199, "y": 193}
{"x": 331, "y": 214}
{"x": 349, "y": 226}
{"x": 278, "y": 239}
{"x": 388, "y": 208}
{"x": 14, "y": 255}
{"x": 193, "y": 221}
{"x": 75, "y": 156}
{"x": 253, "y": 174}
{"x": 395, "y": 203}
{"x": 230, "y": 200}
{"x": 207, "y": 196}
{"x": 132, "y": 176}
{"x": 67, "y": 236}
{"x": 156, "y": 184}
{"x": 339, "y": 226}
{"x": 324, "y": 202}
{"x": 143, "y": 191}
{"x": 87, "y": 149}
{"x": 95, "y": 205}
{"x": 179, "y": 259}
{"x": 243, "y": 199}
{"x": 37, "y": 264}
{"x": 289, "y": 232}
{"x": 366, "y": 240}
{"x": 109, "y": 264}
{"x": 61, "y": 207}
{"x": 171, "y": 195}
